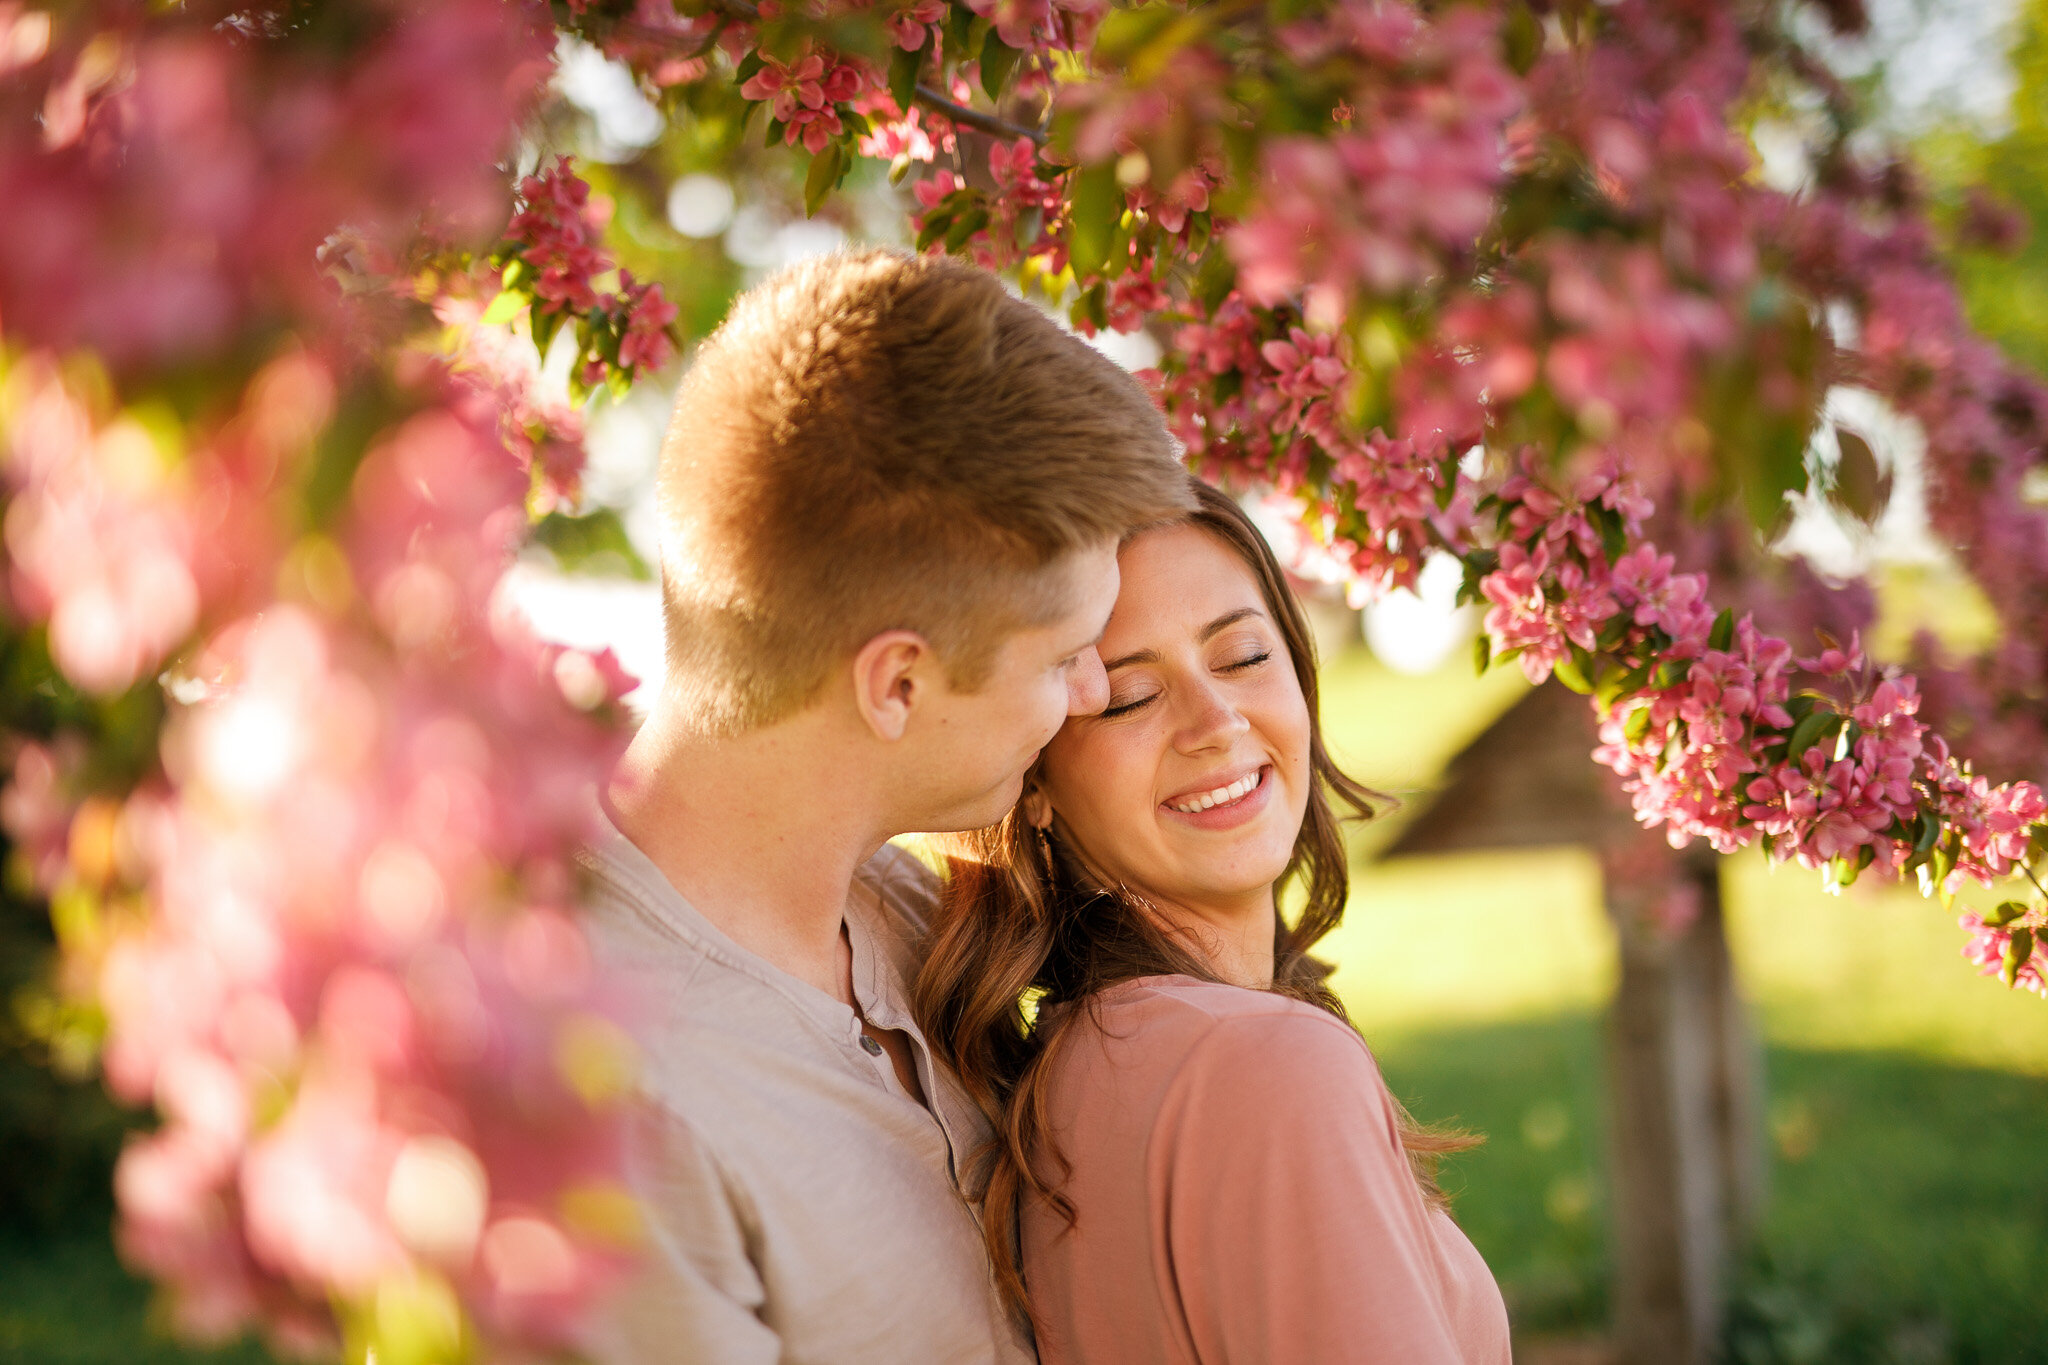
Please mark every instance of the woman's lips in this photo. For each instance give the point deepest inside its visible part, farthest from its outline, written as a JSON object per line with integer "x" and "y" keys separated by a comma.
{"x": 1228, "y": 814}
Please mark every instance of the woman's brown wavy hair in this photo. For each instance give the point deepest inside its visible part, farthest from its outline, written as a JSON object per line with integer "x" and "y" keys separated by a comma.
{"x": 1023, "y": 928}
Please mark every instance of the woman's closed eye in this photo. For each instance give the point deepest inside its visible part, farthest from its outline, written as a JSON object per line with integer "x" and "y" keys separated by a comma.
{"x": 1126, "y": 705}
{"x": 1123, "y": 708}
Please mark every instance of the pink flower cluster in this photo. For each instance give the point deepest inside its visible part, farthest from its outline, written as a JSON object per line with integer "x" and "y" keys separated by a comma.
{"x": 1993, "y": 950}
{"x": 1239, "y": 385}
{"x": 1012, "y": 221}
{"x": 381, "y": 1054}
{"x": 1037, "y": 25}
{"x": 662, "y": 45}
{"x": 99, "y": 543}
{"x": 553, "y": 250}
{"x": 1700, "y": 720}
{"x": 805, "y": 94}
{"x": 503, "y": 375}
{"x": 1377, "y": 204}
{"x": 900, "y": 139}
{"x": 329, "y": 942}
{"x": 166, "y": 187}
{"x": 558, "y": 232}
{"x": 911, "y": 26}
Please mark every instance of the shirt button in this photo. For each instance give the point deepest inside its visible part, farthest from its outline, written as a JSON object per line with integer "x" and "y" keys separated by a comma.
{"x": 870, "y": 1046}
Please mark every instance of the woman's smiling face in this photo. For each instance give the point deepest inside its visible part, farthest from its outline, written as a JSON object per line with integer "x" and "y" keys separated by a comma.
{"x": 1191, "y": 787}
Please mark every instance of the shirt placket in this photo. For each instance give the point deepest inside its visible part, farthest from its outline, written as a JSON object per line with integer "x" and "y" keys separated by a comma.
{"x": 871, "y": 988}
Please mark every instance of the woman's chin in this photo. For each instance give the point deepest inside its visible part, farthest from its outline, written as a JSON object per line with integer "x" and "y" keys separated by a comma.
{"x": 1222, "y": 881}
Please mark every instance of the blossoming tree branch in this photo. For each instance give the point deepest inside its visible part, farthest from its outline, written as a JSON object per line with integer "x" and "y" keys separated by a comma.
{"x": 1497, "y": 280}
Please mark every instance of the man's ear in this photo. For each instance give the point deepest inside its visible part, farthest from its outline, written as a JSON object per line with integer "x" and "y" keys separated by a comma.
{"x": 891, "y": 673}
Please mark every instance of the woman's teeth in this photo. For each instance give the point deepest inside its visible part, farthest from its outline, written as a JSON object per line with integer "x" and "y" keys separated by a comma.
{"x": 1221, "y": 796}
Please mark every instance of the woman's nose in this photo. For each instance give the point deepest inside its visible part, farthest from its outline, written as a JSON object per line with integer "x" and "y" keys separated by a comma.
{"x": 1211, "y": 721}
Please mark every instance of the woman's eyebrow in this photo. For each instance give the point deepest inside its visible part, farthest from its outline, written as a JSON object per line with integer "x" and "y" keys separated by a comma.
{"x": 1207, "y": 633}
{"x": 1225, "y": 621}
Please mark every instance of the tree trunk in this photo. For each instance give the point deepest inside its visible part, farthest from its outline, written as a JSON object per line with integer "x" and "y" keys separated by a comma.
{"x": 1687, "y": 1151}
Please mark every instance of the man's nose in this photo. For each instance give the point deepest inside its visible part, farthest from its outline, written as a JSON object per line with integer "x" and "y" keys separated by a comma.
{"x": 1087, "y": 684}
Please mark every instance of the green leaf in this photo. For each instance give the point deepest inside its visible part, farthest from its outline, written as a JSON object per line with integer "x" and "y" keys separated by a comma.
{"x": 978, "y": 29}
{"x": 1482, "y": 652}
{"x": 1930, "y": 830}
{"x": 544, "y": 325}
{"x": 1125, "y": 32}
{"x": 1119, "y": 243}
{"x": 965, "y": 226}
{"x": 1200, "y": 226}
{"x": 775, "y": 129}
{"x": 826, "y": 167}
{"x": 514, "y": 273}
{"x": 960, "y": 22}
{"x": 1613, "y": 535}
{"x": 1940, "y": 863}
{"x": 1522, "y": 38}
{"x": 1637, "y": 725}
{"x": 1724, "y": 630}
{"x": 594, "y": 543}
{"x": 1569, "y": 672}
{"x": 1809, "y": 732}
{"x": 998, "y": 60}
{"x": 1478, "y": 564}
{"x": 1842, "y": 871}
{"x": 1626, "y": 684}
{"x": 904, "y": 68}
{"x": 1091, "y": 307}
{"x": 2018, "y": 949}
{"x": 749, "y": 67}
{"x": 936, "y": 224}
{"x": 1214, "y": 279}
{"x": 509, "y": 304}
{"x": 1097, "y": 207}
{"x": 2005, "y": 913}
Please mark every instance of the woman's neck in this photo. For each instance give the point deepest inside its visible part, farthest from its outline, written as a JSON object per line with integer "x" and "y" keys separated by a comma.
{"x": 1235, "y": 940}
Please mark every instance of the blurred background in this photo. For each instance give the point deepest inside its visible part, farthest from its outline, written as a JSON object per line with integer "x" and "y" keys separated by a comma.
{"x": 1884, "y": 1067}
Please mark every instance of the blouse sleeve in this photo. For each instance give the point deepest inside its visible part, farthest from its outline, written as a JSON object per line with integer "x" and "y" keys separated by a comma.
{"x": 1292, "y": 1222}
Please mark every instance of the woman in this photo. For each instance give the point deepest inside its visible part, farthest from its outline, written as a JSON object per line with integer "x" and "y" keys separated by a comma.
{"x": 1197, "y": 1159}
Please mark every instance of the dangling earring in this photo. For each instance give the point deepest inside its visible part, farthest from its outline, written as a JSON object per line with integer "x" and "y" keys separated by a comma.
{"x": 1045, "y": 851}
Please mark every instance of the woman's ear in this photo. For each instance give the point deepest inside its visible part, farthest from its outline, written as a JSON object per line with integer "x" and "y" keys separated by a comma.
{"x": 888, "y": 680}
{"x": 1036, "y": 806}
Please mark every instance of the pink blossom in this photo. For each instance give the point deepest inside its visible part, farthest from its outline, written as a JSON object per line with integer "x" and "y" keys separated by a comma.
{"x": 1988, "y": 948}
{"x": 1675, "y": 603}
{"x": 911, "y": 25}
{"x": 805, "y": 95}
{"x": 645, "y": 344}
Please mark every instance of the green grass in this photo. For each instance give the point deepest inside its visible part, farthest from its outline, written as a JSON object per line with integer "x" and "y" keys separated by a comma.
{"x": 1888, "y": 1222}
{"x": 65, "y": 1300}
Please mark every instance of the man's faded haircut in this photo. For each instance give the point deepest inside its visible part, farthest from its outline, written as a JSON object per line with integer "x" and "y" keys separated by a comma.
{"x": 877, "y": 441}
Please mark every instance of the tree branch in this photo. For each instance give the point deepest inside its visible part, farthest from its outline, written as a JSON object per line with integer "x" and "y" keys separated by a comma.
{"x": 991, "y": 124}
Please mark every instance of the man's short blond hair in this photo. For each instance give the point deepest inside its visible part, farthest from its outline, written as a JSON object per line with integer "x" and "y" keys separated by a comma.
{"x": 877, "y": 441}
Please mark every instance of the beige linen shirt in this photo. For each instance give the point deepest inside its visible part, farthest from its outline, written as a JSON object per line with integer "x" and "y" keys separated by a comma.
{"x": 802, "y": 1206}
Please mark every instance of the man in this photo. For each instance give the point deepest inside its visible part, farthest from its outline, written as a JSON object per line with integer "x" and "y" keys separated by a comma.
{"x": 891, "y": 499}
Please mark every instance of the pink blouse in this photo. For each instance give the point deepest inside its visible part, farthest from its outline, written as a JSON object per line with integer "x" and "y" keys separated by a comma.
{"x": 1241, "y": 1196}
